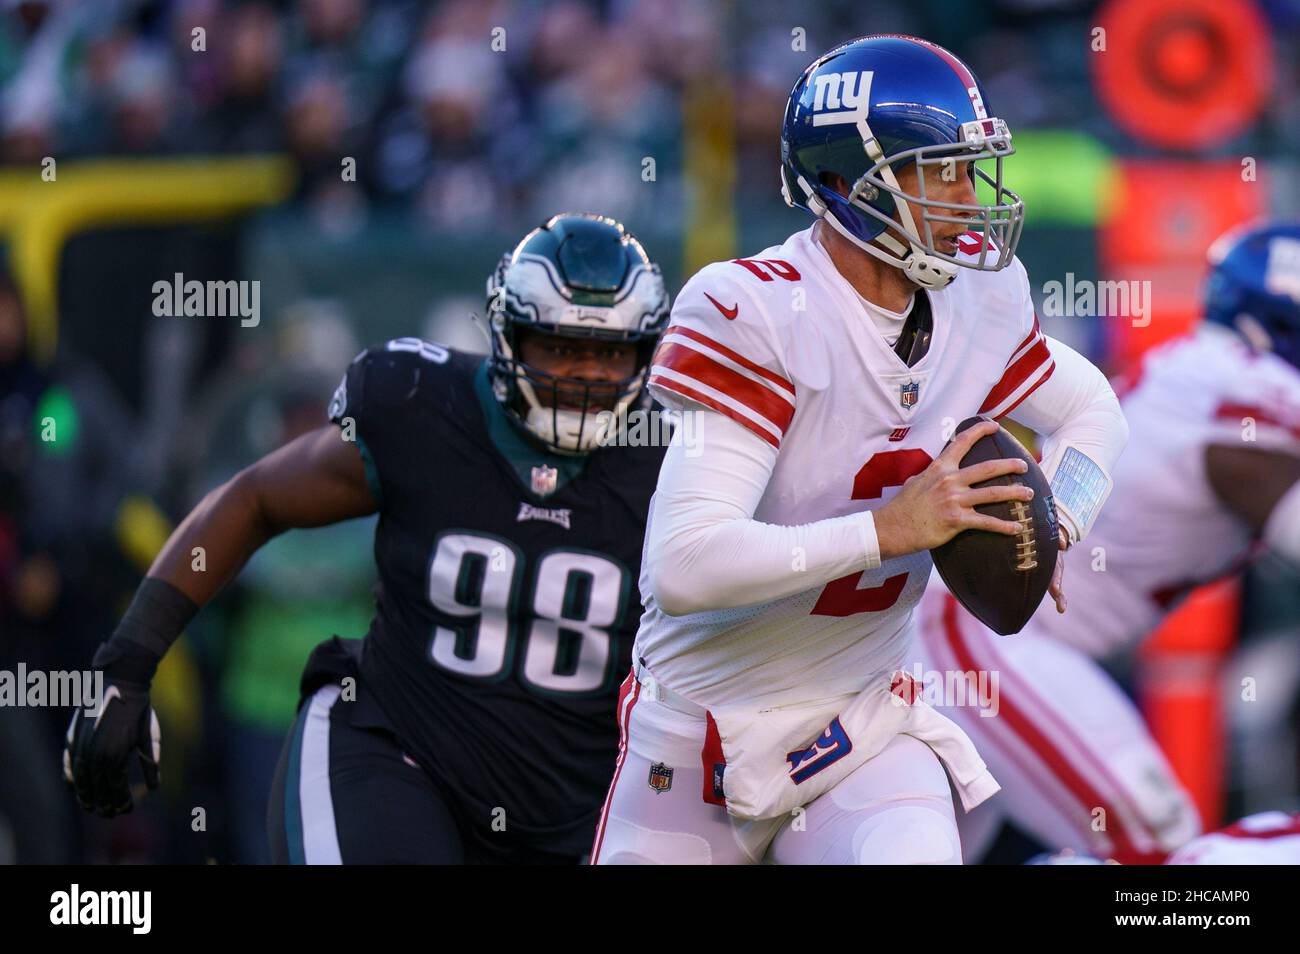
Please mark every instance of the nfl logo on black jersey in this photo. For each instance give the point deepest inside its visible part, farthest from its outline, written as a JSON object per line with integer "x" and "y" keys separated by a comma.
{"x": 544, "y": 480}
{"x": 661, "y": 777}
{"x": 909, "y": 393}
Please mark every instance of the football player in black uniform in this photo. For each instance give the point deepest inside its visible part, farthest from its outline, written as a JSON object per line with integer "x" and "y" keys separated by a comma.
{"x": 476, "y": 721}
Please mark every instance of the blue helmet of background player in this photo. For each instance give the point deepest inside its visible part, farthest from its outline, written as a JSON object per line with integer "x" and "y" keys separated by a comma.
{"x": 1254, "y": 286}
{"x": 868, "y": 109}
{"x": 576, "y": 276}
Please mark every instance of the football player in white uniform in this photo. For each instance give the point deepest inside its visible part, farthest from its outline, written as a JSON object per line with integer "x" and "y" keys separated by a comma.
{"x": 1268, "y": 838}
{"x": 1212, "y": 471}
{"x": 787, "y": 547}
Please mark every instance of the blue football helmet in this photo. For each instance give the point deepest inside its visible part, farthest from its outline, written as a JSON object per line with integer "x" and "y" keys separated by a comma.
{"x": 867, "y": 109}
{"x": 1254, "y": 286}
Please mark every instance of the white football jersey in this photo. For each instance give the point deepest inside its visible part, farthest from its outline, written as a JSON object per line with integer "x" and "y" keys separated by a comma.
{"x": 781, "y": 344}
{"x": 1269, "y": 838}
{"x": 1164, "y": 531}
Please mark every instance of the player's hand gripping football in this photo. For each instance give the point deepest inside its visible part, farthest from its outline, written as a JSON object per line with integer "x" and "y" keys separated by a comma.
{"x": 939, "y": 502}
{"x": 100, "y": 744}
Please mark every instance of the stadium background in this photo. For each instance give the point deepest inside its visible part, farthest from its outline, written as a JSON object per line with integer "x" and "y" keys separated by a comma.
{"x": 134, "y": 147}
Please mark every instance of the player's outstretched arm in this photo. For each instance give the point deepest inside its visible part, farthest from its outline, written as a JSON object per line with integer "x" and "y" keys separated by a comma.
{"x": 1262, "y": 487}
{"x": 705, "y": 551}
{"x": 314, "y": 480}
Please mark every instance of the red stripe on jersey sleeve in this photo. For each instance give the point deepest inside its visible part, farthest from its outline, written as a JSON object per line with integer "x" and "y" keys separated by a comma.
{"x": 740, "y": 359}
{"x": 1016, "y": 375}
{"x": 1229, "y": 411}
{"x": 686, "y": 391}
{"x": 705, "y": 370}
{"x": 1038, "y": 384}
{"x": 1033, "y": 333}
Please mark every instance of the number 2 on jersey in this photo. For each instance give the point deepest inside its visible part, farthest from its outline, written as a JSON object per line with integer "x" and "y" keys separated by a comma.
{"x": 842, "y": 597}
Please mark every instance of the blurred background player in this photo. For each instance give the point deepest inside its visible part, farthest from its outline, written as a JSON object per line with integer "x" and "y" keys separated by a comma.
{"x": 1266, "y": 838}
{"x": 474, "y": 723}
{"x": 783, "y": 562}
{"x": 1210, "y": 478}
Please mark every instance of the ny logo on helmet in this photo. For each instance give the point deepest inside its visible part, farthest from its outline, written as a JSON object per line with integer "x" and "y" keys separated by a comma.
{"x": 848, "y": 93}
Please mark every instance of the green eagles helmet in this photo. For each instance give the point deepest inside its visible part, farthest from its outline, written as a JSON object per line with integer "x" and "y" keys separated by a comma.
{"x": 577, "y": 276}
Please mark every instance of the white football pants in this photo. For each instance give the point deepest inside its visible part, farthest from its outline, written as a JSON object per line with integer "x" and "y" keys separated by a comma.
{"x": 895, "y": 809}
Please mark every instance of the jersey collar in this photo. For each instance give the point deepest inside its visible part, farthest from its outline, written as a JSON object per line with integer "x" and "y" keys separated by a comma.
{"x": 522, "y": 455}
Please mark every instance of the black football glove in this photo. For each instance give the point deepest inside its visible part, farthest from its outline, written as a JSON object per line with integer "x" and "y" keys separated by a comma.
{"x": 101, "y": 741}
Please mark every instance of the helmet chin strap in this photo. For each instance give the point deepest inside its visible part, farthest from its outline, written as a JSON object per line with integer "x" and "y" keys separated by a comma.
{"x": 926, "y": 270}
{"x": 920, "y": 266}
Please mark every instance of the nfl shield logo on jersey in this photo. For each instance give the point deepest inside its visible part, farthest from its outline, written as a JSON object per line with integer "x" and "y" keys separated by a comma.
{"x": 661, "y": 778}
{"x": 909, "y": 393}
{"x": 544, "y": 480}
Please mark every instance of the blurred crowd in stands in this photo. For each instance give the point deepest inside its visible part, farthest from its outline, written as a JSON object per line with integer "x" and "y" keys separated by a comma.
{"x": 472, "y": 110}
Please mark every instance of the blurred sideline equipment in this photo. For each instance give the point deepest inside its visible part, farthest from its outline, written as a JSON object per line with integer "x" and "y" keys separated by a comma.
{"x": 97, "y": 193}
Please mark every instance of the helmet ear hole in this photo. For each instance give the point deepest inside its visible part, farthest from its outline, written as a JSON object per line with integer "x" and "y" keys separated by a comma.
{"x": 834, "y": 182}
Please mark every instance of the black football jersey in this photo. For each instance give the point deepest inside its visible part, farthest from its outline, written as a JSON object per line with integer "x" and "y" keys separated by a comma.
{"x": 504, "y": 617}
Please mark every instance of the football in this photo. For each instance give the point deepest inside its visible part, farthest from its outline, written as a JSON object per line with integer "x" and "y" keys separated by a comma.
{"x": 998, "y": 578}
